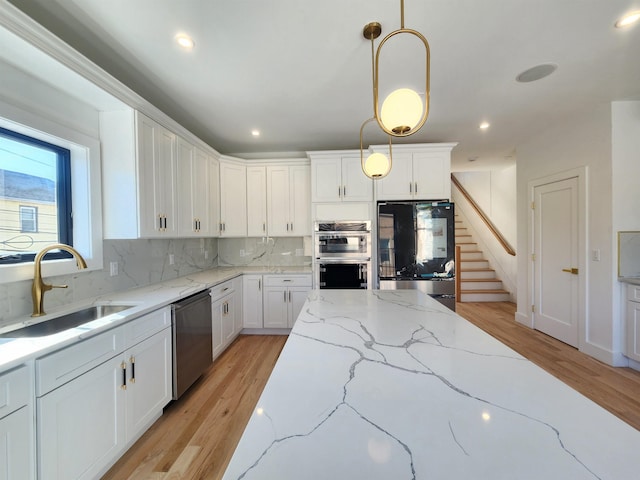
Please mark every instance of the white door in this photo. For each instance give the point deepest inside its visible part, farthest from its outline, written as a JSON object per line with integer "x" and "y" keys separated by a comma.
{"x": 233, "y": 200}
{"x": 556, "y": 274}
{"x": 278, "y": 201}
{"x": 275, "y": 307}
{"x": 398, "y": 185}
{"x": 297, "y": 297}
{"x": 252, "y": 300}
{"x": 15, "y": 445}
{"x": 256, "y": 205}
{"x": 357, "y": 187}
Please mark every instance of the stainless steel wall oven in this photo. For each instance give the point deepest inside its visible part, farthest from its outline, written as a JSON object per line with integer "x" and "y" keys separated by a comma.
{"x": 342, "y": 254}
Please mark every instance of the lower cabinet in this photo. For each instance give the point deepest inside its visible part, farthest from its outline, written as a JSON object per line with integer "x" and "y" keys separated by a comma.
{"x": 16, "y": 425}
{"x": 85, "y": 424}
{"x": 283, "y": 298}
{"x": 252, "y": 301}
{"x": 226, "y": 314}
{"x": 632, "y": 306}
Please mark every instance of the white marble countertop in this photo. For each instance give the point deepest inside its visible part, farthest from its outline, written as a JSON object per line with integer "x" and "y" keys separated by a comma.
{"x": 392, "y": 385}
{"x": 15, "y": 351}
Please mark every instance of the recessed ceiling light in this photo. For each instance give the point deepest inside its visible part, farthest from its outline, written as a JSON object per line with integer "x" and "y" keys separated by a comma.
{"x": 536, "y": 73}
{"x": 255, "y": 133}
{"x": 628, "y": 19}
{"x": 484, "y": 125}
{"x": 185, "y": 41}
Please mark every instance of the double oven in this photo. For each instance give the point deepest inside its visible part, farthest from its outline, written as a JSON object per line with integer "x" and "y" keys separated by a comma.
{"x": 342, "y": 254}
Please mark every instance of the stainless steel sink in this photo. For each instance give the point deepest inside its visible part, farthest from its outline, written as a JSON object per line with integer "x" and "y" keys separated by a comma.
{"x": 65, "y": 322}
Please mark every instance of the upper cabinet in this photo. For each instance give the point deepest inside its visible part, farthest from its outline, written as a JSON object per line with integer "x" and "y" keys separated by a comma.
{"x": 256, "y": 204}
{"x": 233, "y": 199}
{"x": 139, "y": 176}
{"x": 420, "y": 172}
{"x": 288, "y": 200}
{"x": 336, "y": 176}
{"x": 195, "y": 196}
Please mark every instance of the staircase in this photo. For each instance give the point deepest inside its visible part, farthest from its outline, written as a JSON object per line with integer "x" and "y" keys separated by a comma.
{"x": 478, "y": 282}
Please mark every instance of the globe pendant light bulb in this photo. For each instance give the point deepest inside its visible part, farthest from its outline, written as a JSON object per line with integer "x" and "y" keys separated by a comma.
{"x": 376, "y": 165}
{"x": 401, "y": 110}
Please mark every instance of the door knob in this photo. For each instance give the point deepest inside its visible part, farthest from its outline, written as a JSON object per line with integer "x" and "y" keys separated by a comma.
{"x": 572, "y": 271}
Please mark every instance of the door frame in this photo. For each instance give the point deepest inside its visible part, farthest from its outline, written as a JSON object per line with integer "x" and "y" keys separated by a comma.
{"x": 581, "y": 173}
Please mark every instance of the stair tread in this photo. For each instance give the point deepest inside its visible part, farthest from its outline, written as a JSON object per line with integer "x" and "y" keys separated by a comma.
{"x": 483, "y": 291}
{"x": 476, "y": 270}
{"x": 480, "y": 280}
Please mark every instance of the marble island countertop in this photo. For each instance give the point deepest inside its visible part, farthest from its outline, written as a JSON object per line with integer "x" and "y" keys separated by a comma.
{"x": 392, "y": 385}
{"x": 15, "y": 351}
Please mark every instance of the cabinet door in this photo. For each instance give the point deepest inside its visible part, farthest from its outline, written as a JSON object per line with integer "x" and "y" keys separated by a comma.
{"x": 276, "y": 307}
{"x": 200, "y": 193}
{"x": 278, "y": 201}
{"x": 633, "y": 330}
{"x": 149, "y": 386}
{"x": 185, "y": 182}
{"x": 431, "y": 176}
{"x": 300, "y": 200}
{"x": 214, "y": 197}
{"x": 256, "y": 201}
{"x": 81, "y": 425}
{"x": 228, "y": 319}
{"x": 15, "y": 445}
{"x": 216, "y": 324}
{"x": 252, "y": 301}
{"x": 326, "y": 180}
{"x": 357, "y": 187}
{"x": 233, "y": 200}
{"x": 297, "y": 296}
{"x": 398, "y": 185}
{"x": 158, "y": 171}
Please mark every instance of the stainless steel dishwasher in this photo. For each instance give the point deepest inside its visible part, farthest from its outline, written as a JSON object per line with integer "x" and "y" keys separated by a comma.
{"x": 191, "y": 328}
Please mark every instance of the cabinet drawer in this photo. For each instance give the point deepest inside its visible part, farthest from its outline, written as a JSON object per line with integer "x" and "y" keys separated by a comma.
{"x": 64, "y": 365}
{"x": 143, "y": 327}
{"x": 287, "y": 280}
{"x": 633, "y": 293}
{"x": 221, "y": 290}
{"x": 14, "y": 390}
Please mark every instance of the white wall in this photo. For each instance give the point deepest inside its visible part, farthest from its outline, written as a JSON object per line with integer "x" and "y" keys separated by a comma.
{"x": 583, "y": 140}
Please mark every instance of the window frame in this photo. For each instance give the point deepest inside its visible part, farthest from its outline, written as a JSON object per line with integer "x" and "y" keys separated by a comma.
{"x": 63, "y": 198}
{"x": 33, "y": 212}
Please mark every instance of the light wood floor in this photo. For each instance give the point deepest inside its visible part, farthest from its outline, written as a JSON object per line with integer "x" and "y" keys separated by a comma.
{"x": 197, "y": 435}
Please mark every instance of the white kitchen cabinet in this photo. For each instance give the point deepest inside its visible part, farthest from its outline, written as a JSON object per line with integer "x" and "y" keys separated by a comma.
{"x": 223, "y": 316}
{"x": 149, "y": 382}
{"x": 283, "y": 297}
{"x": 214, "y": 196}
{"x": 157, "y": 184}
{"x": 419, "y": 172}
{"x": 256, "y": 201}
{"x": 336, "y": 176}
{"x": 288, "y": 200}
{"x": 88, "y": 414}
{"x": 194, "y": 200}
{"x": 238, "y": 306}
{"x": 17, "y": 451}
{"x": 81, "y": 425}
{"x": 632, "y": 307}
{"x": 252, "y": 301}
{"x": 233, "y": 199}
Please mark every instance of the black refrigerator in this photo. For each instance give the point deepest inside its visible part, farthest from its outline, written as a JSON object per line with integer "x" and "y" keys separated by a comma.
{"x": 416, "y": 248}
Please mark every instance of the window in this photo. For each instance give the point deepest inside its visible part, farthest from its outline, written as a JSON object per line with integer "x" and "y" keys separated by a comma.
{"x": 35, "y": 197}
{"x": 28, "y": 219}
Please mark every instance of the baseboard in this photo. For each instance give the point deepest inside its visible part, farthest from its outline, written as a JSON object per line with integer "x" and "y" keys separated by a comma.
{"x": 633, "y": 364}
{"x": 614, "y": 359}
{"x": 523, "y": 319}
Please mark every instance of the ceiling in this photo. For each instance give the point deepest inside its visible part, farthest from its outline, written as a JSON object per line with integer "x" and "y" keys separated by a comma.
{"x": 300, "y": 72}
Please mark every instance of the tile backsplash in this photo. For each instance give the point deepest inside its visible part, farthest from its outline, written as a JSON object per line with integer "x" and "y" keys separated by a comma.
{"x": 145, "y": 261}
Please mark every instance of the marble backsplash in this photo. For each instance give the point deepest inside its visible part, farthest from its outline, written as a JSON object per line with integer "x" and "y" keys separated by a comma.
{"x": 140, "y": 263}
{"x": 145, "y": 261}
{"x": 264, "y": 252}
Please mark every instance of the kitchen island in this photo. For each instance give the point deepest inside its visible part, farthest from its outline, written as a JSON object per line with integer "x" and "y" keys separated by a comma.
{"x": 391, "y": 384}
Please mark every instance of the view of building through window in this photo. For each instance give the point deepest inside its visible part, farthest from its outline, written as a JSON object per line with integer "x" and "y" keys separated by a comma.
{"x": 34, "y": 192}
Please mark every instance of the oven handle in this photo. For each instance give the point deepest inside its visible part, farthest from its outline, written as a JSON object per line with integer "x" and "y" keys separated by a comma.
{"x": 343, "y": 260}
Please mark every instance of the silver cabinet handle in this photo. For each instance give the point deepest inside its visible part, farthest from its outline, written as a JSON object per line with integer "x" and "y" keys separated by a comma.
{"x": 289, "y": 296}
{"x": 344, "y": 190}
{"x": 410, "y": 187}
{"x": 285, "y": 296}
{"x": 339, "y": 190}
{"x": 415, "y": 187}
{"x": 259, "y": 284}
{"x": 264, "y": 226}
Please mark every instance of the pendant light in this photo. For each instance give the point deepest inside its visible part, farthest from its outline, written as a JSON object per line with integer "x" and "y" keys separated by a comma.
{"x": 403, "y": 112}
{"x": 376, "y": 165}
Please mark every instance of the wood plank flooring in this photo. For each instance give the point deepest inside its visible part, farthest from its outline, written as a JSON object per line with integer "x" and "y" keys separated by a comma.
{"x": 196, "y": 436}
